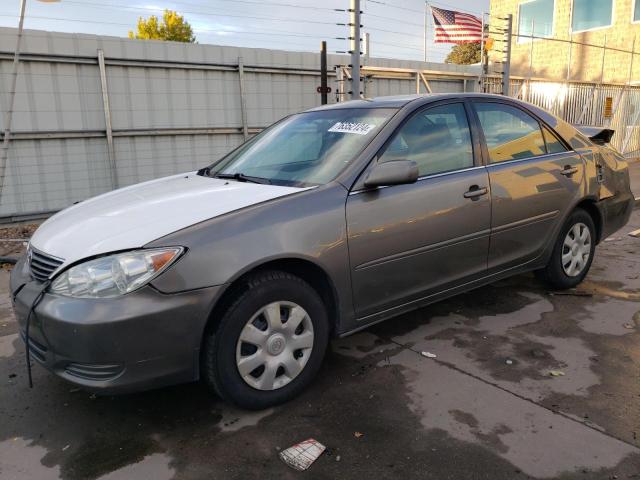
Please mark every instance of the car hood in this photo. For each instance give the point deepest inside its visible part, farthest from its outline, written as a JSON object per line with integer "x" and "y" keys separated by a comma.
{"x": 133, "y": 216}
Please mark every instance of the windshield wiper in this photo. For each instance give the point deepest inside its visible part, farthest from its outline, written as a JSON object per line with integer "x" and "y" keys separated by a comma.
{"x": 241, "y": 177}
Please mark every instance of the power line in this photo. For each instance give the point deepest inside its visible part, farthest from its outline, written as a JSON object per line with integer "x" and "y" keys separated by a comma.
{"x": 367, "y": 14}
{"x": 275, "y": 19}
{"x": 249, "y": 2}
{"x": 394, "y": 6}
{"x": 200, "y": 31}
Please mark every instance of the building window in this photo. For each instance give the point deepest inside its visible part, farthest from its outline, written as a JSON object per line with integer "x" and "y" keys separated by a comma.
{"x": 636, "y": 11}
{"x": 591, "y": 14}
{"x": 537, "y": 14}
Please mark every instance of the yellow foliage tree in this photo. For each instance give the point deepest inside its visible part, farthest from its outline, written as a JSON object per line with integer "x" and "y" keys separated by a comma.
{"x": 172, "y": 28}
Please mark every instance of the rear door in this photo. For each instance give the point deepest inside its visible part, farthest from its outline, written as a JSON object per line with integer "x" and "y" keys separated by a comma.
{"x": 408, "y": 241}
{"x": 535, "y": 178}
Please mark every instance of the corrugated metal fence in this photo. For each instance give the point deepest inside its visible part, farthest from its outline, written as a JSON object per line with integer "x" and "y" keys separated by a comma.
{"x": 170, "y": 108}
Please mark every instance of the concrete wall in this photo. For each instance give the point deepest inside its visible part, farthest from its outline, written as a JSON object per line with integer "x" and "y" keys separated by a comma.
{"x": 174, "y": 107}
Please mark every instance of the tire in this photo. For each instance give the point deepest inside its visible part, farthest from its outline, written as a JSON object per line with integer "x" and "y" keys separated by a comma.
{"x": 562, "y": 275}
{"x": 270, "y": 300}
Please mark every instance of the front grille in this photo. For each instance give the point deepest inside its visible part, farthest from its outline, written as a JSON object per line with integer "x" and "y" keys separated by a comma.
{"x": 42, "y": 265}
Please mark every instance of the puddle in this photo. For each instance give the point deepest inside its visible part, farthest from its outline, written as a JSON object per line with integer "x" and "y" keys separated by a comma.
{"x": 22, "y": 460}
{"x": 155, "y": 466}
{"x": 102, "y": 454}
{"x": 533, "y": 439}
{"x": 234, "y": 419}
{"x": 361, "y": 345}
{"x": 609, "y": 317}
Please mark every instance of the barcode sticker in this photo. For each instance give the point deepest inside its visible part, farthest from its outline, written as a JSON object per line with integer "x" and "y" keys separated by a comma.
{"x": 348, "y": 127}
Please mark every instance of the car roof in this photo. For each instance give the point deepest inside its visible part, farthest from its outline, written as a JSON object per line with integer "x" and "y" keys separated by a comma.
{"x": 398, "y": 101}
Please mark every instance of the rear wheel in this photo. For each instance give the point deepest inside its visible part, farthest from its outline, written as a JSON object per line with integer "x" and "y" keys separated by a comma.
{"x": 573, "y": 252}
{"x": 269, "y": 344}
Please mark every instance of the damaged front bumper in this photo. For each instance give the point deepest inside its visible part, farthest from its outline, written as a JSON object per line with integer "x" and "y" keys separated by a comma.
{"x": 142, "y": 340}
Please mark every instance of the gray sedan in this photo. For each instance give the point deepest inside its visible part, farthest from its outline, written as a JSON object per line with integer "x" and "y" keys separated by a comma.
{"x": 325, "y": 223}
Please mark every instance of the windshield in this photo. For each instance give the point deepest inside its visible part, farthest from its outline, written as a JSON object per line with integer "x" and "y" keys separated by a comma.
{"x": 306, "y": 149}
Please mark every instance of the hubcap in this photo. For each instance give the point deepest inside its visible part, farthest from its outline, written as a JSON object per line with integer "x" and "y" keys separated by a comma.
{"x": 274, "y": 345}
{"x": 576, "y": 250}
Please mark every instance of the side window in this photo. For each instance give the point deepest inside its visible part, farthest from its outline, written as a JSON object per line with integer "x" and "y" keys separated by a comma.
{"x": 509, "y": 132}
{"x": 553, "y": 144}
{"x": 437, "y": 139}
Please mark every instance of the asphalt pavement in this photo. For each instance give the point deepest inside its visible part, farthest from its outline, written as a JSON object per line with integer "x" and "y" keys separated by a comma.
{"x": 525, "y": 383}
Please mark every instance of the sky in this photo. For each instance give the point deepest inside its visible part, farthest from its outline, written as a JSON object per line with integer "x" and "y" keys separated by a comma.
{"x": 395, "y": 27}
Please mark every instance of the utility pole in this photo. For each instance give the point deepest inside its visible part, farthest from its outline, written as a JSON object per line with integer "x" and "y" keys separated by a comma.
{"x": 426, "y": 24}
{"x": 354, "y": 38}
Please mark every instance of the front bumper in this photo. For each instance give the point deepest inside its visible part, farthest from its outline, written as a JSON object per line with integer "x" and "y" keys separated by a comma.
{"x": 142, "y": 340}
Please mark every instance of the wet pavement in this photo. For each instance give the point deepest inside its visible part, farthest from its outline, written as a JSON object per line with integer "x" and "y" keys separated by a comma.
{"x": 487, "y": 407}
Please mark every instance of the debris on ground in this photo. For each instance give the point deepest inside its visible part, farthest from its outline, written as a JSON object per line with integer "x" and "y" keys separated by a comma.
{"x": 635, "y": 233}
{"x": 572, "y": 293}
{"x": 610, "y": 239}
{"x": 358, "y": 434}
{"x": 508, "y": 361}
{"x": 428, "y": 354}
{"x": 65, "y": 447}
{"x": 629, "y": 326}
{"x": 537, "y": 353}
{"x": 12, "y": 238}
{"x": 556, "y": 373}
{"x": 301, "y": 455}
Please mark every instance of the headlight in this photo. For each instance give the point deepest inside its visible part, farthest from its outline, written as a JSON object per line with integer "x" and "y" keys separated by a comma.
{"x": 115, "y": 274}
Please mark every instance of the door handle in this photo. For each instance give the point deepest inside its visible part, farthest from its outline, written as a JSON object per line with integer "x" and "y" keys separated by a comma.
{"x": 475, "y": 191}
{"x": 568, "y": 170}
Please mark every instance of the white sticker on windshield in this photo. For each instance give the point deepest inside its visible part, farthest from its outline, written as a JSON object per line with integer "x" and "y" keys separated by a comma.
{"x": 348, "y": 127}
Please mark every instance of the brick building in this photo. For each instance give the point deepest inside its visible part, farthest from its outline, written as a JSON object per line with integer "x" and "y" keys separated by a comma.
{"x": 616, "y": 22}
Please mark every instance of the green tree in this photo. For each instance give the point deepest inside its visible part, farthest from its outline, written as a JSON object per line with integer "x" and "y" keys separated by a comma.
{"x": 464, "y": 54}
{"x": 172, "y": 28}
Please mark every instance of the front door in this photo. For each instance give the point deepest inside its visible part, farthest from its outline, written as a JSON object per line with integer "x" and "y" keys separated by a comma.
{"x": 534, "y": 180}
{"x": 408, "y": 241}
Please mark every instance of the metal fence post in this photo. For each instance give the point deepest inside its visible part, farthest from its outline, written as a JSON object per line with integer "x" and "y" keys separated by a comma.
{"x": 354, "y": 37}
{"x": 243, "y": 100}
{"x": 107, "y": 120}
{"x": 4, "y": 151}
{"x": 624, "y": 88}
{"x": 323, "y": 73}
{"x": 506, "y": 66}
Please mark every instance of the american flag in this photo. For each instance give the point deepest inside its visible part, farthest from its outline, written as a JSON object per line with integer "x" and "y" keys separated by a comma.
{"x": 456, "y": 27}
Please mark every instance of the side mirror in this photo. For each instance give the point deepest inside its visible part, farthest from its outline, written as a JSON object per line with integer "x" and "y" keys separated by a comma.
{"x": 397, "y": 172}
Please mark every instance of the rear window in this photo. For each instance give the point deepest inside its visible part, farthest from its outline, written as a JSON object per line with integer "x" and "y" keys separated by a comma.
{"x": 510, "y": 133}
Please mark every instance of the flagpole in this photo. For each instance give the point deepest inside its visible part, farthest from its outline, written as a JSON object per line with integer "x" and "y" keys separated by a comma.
{"x": 426, "y": 17}
{"x": 482, "y": 56}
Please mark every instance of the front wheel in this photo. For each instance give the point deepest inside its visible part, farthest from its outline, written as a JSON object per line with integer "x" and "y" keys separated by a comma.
{"x": 573, "y": 252}
{"x": 269, "y": 344}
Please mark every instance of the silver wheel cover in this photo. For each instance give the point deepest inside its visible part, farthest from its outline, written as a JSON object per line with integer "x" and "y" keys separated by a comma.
{"x": 576, "y": 250}
{"x": 274, "y": 345}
